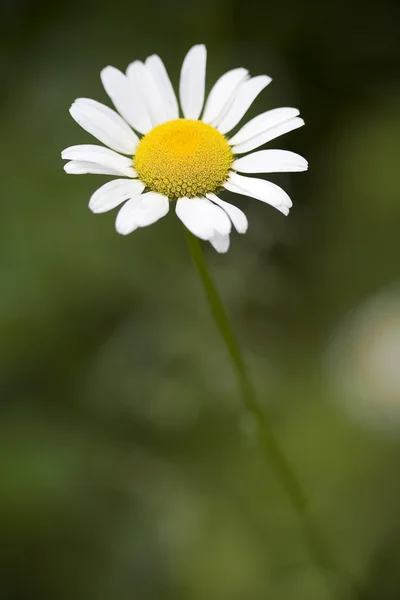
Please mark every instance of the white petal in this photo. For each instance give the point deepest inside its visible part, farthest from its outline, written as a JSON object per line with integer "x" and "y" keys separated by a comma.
{"x": 192, "y": 82}
{"x": 141, "y": 211}
{"x": 80, "y": 167}
{"x": 161, "y": 77}
{"x": 104, "y": 124}
{"x": 101, "y": 156}
{"x": 260, "y": 189}
{"x": 268, "y": 135}
{"x": 283, "y": 208}
{"x": 245, "y": 96}
{"x": 270, "y": 161}
{"x": 262, "y": 122}
{"x": 113, "y": 193}
{"x": 237, "y": 216}
{"x": 220, "y": 243}
{"x": 237, "y": 190}
{"x": 222, "y": 92}
{"x": 126, "y": 99}
{"x": 143, "y": 81}
{"x": 202, "y": 217}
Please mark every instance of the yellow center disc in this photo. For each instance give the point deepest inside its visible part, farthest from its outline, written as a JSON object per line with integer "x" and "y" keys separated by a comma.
{"x": 183, "y": 158}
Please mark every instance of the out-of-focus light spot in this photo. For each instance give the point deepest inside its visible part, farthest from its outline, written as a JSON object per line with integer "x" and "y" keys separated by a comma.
{"x": 364, "y": 361}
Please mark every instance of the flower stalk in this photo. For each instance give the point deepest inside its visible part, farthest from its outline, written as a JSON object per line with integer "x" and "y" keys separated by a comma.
{"x": 318, "y": 549}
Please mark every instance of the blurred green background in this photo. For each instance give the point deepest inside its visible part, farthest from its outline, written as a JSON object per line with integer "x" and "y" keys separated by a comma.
{"x": 128, "y": 468}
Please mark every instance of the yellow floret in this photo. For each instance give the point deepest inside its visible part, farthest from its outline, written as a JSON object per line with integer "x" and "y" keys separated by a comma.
{"x": 183, "y": 158}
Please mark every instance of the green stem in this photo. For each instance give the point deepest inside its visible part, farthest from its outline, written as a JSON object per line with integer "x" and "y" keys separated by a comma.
{"x": 318, "y": 550}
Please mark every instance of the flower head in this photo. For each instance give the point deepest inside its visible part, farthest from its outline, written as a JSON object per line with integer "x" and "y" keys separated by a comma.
{"x": 159, "y": 156}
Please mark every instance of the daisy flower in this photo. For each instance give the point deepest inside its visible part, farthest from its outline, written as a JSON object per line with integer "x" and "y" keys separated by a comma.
{"x": 159, "y": 155}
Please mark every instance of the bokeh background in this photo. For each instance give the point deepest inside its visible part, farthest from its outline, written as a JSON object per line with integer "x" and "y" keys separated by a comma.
{"x": 128, "y": 467}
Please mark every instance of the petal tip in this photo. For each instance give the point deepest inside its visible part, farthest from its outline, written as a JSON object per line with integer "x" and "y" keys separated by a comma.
{"x": 106, "y": 71}
{"x": 199, "y": 47}
{"x": 284, "y": 209}
{"x": 73, "y": 110}
{"x": 122, "y": 229}
{"x": 93, "y": 208}
{"x": 220, "y": 243}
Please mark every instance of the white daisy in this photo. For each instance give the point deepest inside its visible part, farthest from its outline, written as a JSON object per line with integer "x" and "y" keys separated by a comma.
{"x": 160, "y": 156}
